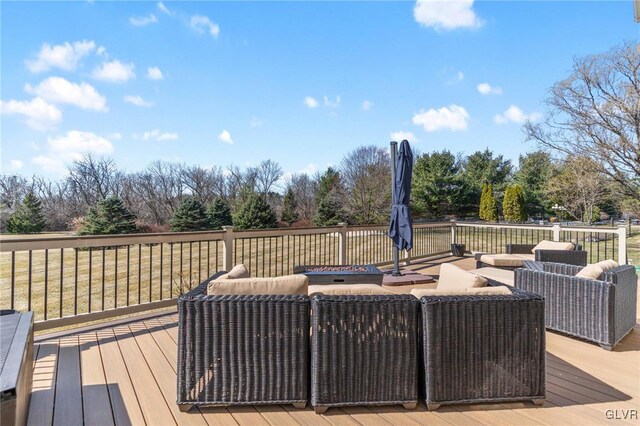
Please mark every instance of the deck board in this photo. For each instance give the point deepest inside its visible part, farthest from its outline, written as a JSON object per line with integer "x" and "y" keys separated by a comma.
{"x": 126, "y": 374}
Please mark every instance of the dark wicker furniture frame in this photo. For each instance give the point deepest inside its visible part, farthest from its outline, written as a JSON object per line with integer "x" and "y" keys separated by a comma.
{"x": 602, "y": 311}
{"x": 483, "y": 348}
{"x": 364, "y": 350}
{"x": 242, "y": 350}
{"x": 570, "y": 257}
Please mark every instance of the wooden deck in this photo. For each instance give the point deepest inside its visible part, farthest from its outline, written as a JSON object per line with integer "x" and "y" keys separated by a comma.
{"x": 125, "y": 374}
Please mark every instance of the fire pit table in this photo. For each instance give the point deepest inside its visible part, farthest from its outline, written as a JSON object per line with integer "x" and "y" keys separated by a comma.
{"x": 340, "y": 274}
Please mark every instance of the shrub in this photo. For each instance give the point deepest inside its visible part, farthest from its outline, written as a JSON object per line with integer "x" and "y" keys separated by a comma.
{"x": 109, "y": 216}
{"x": 488, "y": 205}
{"x": 329, "y": 212}
{"x": 28, "y": 217}
{"x": 189, "y": 216}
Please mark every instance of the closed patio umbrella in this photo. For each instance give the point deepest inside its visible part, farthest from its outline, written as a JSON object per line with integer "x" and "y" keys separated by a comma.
{"x": 401, "y": 223}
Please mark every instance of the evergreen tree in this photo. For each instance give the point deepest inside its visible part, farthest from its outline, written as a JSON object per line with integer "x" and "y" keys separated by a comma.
{"x": 488, "y": 205}
{"x": 255, "y": 213}
{"x": 513, "y": 205}
{"x": 219, "y": 214}
{"x": 189, "y": 216}
{"x": 109, "y": 216}
{"x": 28, "y": 217}
{"x": 483, "y": 202}
{"x": 329, "y": 213}
{"x": 289, "y": 206}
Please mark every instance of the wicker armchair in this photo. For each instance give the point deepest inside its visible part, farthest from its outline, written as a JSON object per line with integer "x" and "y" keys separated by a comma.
{"x": 364, "y": 350}
{"x": 483, "y": 348}
{"x": 601, "y": 311}
{"x": 239, "y": 350}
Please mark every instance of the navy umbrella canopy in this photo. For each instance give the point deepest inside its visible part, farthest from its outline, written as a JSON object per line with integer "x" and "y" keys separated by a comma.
{"x": 401, "y": 224}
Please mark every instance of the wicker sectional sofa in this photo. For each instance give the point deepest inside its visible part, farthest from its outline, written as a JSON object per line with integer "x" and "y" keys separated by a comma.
{"x": 602, "y": 311}
{"x": 337, "y": 349}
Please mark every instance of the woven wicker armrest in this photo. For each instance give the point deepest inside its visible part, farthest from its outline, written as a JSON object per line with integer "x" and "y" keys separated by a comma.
{"x": 243, "y": 349}
{"x": 519, "y": 248}
{"x": 200, "y": 289}
{"x": 364, "y": 350}
{"x": 571, "y": 257}
{"x": 560, "y": 268}
{"x": 483, "y": 348}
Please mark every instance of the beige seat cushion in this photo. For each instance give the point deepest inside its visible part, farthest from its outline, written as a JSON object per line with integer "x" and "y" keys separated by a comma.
{"x": 452, "y": 277}
{"x": 608, "y": 264}
{"x": 552, "y": 245}
{"x": 508, "y": 260}
{"x": 591, "y": 271}
{"x": 503, "y": 276}
{"x": 288, "y": 284}
{"x": 525, "y": 256}
{"x": 347, "y": 289}
{"x": 238, "y": 271}
{"x": 476, "y": 291}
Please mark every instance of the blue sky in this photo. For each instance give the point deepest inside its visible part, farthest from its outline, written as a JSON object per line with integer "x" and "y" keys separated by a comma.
{"x": 301, "y": 83}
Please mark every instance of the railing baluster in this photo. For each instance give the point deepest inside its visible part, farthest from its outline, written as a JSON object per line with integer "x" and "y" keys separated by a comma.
{"x": 150, "y": 272}
{"x": 30, "y": 269}
{"x": 46, "y": 282}
{"x": 61, "y": 279}
{"x": 115, "y": 278}
{"x": 161, "y": 268}
{"x": 128, "y": 271}
{"x": 171, "y": 269}
{"x": 90, "y": 273}
{"x": 139, "y": 273}
{"x": 13, "y": 280}
{"x": 75, "y": 283}
{"x": 103, "y": 274}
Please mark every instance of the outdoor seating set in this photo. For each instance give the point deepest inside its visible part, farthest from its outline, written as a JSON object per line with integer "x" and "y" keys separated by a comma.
{"x": 277, "y": 340}
{"x": 594, "y": 302}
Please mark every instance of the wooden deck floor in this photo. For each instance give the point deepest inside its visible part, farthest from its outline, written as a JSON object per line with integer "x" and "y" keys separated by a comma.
{"x": 125, "y": 374}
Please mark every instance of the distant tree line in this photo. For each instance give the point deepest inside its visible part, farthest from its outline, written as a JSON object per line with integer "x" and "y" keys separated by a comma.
{"x": 588, "y": 165}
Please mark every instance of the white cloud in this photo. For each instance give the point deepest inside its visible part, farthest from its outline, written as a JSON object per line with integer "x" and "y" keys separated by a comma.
{"x": 164, "y": 9}
{"x": 460, "y": 76}
{"x": 225, "y": 137}
{"x": 71, "y": 146}
{"x": 40, "y": 115}
{"x": 202, "y": 24}
{"x": 400, "y": 135}
{"x": 487, "y": 89}
{"x": 328, "y": 103}
{"x": 61, "y": 91}
{"x": 310, "y": 102}
{"x": 159, "y": 136}
{"x": 446, "y": 15}
{"x": 137, "y": 101}
{"x": 76, "y": 141}
{"x": 309, "y": 169}
{"x": 367, "y": 105}
{"x": 256, "y": 122}
{"x": 514, "y": 114}
{"x": 114, "y": 72}
{"x": 115, "y": 136}
{"x": 64, "y": 56}
{"x": 15, "y": 165}
{"x": 453, "y": 117}
{"x": 154, "y": 73}
{"x": 143, "y": 21}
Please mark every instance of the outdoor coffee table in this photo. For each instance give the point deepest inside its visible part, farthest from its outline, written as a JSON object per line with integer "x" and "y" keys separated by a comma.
{"x": 340, "y": 274}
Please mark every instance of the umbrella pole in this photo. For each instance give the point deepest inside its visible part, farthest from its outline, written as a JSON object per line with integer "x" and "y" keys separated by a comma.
{"x": 396, "y": 252}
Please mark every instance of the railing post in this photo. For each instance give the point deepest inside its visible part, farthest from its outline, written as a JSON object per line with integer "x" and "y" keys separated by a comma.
{"x": 453, "y": 232}
{"x": 556, "y": 231}
{"x": 622, "y": 245}
{"x": 227, "y": 248}
{"x": 342, "y": 243}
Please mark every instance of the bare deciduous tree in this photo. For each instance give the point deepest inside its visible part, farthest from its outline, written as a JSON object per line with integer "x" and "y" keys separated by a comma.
{"x": 267, "y": 174}
{"x": 366, "y": 175}
{"x": 579, "y": 187}
{"x": 93, "y": 179}
{"x": 304, "y": 191}
{"x": 595, "y": 113}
